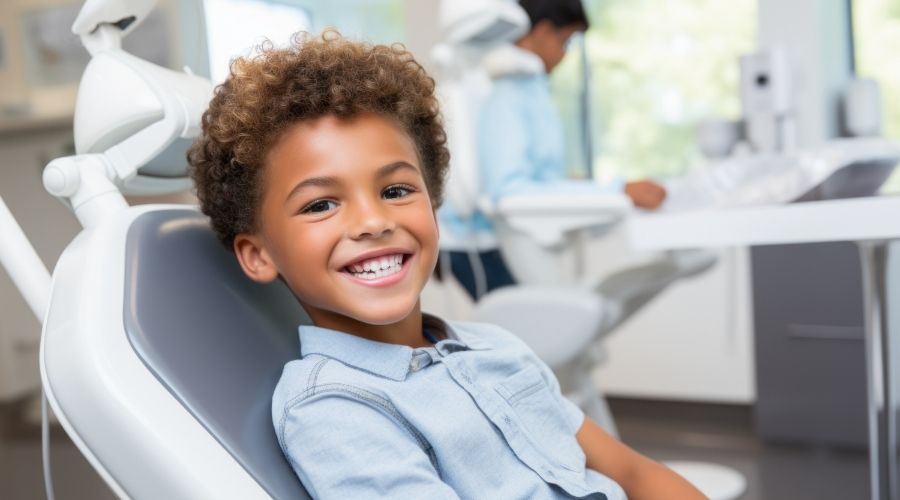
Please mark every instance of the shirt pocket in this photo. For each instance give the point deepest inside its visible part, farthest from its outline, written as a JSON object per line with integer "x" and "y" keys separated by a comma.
{"x": 541, "y": 417}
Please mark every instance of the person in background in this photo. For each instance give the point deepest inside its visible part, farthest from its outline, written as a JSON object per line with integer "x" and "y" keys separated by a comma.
{"x": 520, "y": 142}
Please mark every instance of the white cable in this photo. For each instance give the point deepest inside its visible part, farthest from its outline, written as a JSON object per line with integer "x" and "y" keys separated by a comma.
{"x": 45, "y": 446}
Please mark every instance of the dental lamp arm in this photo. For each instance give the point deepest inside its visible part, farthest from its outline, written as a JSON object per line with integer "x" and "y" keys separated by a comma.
{"x": 22, "y": 264}
{"x": 102, "y": 24}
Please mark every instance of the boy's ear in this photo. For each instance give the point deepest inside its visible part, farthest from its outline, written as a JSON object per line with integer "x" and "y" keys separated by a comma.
{"x": 255, "y": 260}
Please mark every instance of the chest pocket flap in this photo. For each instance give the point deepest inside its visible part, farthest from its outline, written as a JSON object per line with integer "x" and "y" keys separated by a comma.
{"x": 541, "y": 418}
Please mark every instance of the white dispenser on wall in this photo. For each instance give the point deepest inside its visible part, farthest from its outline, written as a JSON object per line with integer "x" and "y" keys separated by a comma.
{"x": 766, "y": 101}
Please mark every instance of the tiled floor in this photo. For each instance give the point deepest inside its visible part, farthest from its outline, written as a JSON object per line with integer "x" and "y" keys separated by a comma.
{"x": 723, "y": 434}
{"x": 664, "y": 431}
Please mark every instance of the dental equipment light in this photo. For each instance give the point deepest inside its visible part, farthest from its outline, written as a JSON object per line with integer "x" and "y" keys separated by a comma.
{"x": 133, "y": 122}
{"x": 473, "y": 22}
{"x": 133, "y": 119}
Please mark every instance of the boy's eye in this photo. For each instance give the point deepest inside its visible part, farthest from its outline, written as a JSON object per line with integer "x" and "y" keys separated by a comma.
{"x": 318, "y": 206}
{"x": 397, "y": 191}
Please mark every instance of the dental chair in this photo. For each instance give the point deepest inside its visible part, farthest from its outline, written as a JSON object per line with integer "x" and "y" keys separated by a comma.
{"x": 158, "y": 356}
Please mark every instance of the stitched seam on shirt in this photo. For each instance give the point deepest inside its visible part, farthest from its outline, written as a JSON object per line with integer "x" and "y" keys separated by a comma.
{"x": 523, "y": 393}
{"x": 314, "y": 374}
{"x": 354, "y": 367}
{"x": 366, "y": 396}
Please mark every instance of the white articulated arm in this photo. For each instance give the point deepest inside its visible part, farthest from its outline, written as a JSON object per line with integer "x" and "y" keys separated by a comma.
{"x": 22, "y": 263}
{"x": 102, "y": 24}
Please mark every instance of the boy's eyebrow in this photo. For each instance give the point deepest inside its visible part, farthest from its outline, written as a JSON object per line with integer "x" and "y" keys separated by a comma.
{"x": 390, "y": 168}
{"x": 328, "y": 181}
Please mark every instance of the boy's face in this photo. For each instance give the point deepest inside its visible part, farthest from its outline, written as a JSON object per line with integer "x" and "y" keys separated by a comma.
{"x": 346, "y": 220}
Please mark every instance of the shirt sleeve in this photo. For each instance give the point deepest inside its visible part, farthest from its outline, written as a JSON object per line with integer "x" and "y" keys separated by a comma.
{"x": 341, "y": 448}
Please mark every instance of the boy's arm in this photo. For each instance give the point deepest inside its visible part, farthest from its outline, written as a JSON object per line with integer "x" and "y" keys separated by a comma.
{"x": 343, "y": 448}
{"x": 640, "y": 477}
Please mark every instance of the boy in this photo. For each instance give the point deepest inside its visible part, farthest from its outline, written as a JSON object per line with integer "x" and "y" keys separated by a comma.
{"x": 322, "y": 164}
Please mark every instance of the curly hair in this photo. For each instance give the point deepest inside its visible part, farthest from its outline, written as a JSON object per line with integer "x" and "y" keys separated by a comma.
{"x": 315, "y": 76}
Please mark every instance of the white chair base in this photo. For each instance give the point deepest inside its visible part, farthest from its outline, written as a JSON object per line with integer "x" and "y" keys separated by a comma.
{"x": 715, "y": 481}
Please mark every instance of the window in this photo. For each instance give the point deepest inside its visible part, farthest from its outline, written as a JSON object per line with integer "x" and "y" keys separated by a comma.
{"x": 876, "y": 36}
{"x": 234, "y": 26}
{"x": 658, "y": 67}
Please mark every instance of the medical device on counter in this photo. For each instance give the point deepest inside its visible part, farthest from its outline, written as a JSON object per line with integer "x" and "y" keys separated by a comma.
{"x": 776, "y": 178}
{"x": 769, "y": 123}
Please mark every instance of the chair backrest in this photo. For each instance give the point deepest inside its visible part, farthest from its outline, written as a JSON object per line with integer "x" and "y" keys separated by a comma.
{"x": 215, "y": 339}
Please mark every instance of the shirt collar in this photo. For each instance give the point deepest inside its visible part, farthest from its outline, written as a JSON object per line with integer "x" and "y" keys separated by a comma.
{"x": 387, "y": 360}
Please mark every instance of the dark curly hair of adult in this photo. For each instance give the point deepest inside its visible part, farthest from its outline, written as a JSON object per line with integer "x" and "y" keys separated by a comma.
{"x": 315, "y": 76}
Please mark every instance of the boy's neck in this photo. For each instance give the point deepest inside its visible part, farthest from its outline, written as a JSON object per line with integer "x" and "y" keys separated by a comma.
{"x": 407, "y": 331}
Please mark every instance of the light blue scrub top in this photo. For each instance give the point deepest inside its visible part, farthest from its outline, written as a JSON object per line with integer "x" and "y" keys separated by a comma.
{"x": 477, "y": 416}
{"x": 520, "y": 151}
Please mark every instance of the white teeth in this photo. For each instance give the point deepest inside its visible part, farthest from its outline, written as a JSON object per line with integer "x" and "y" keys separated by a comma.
{"x": 377, "y": 267}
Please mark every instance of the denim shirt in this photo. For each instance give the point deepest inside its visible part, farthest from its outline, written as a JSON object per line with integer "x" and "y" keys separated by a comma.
{"x": 476, "y": 416}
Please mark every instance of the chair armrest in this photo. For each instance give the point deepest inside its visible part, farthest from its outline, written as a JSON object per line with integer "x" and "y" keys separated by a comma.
{"x": 556, "y": 322}
{"x": 549, "y": 218}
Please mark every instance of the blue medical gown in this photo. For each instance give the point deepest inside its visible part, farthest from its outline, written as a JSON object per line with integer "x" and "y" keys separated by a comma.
{"x": 520, "y": 151}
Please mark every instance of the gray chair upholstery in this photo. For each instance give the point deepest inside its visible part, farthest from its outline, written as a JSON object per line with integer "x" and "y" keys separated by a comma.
{"x": 215, "y": 339}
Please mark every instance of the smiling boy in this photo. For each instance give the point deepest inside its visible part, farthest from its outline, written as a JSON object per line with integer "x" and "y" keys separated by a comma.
{"x": 322, "y": 164}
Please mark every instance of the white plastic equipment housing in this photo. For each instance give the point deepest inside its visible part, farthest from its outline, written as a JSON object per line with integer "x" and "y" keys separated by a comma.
{"x": 481, "y": 21}
{"x": 542, "y": 237}
{"x": 98, "y": 386}
{"x": 132, "y": 111}
{"x": 22, "y": 263}
{"x": 548, "y": 218}
{"x": 96, "y": 12}
{"x": 85, "y": 182}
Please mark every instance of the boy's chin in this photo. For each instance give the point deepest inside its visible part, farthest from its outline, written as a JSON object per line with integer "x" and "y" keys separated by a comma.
{"x": 387, "y": 316}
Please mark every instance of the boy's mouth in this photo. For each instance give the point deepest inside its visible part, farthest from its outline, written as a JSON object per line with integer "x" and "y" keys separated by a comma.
{"x": 377, "y": 267}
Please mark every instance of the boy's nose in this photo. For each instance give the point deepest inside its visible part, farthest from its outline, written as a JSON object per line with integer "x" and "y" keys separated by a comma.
{"x": 370, "y": 221}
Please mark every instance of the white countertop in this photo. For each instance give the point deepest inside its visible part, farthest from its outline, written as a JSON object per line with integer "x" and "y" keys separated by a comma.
{"x": 857, "y": 219}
